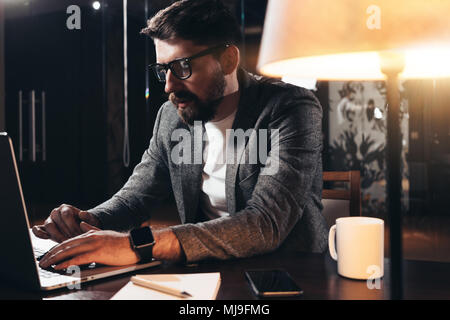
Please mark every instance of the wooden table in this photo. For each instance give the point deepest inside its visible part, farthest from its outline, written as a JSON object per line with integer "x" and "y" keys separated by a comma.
{"x": 315, "y": 273}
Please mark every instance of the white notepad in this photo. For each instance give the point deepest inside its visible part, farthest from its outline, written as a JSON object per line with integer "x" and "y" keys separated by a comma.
{"x": 202, "y": 286}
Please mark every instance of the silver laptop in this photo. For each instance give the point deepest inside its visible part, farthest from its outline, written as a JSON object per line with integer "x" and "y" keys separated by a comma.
{"x": 21, "y": 249}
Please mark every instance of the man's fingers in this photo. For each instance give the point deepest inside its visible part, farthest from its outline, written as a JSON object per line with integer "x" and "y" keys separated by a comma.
{"x": 63, "y": 223}
{"x": 56, "y": 217}
{"x": 55, "y": 234}
{"x": 79, "y": 260}
{"x": 85, "y": 227}
{"x": 65, "y": 250}
{"x": 40, "y": 232}
{"x": 106, "y": 247}
{"x": 69, "y": 216}
{"x": 89, "y": 218}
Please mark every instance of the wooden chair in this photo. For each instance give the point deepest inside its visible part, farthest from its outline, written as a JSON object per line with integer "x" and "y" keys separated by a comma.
{"x": 348, "y": 202}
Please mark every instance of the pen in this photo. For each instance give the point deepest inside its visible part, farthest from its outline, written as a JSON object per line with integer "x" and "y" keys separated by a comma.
{"x": 152, "y": 285}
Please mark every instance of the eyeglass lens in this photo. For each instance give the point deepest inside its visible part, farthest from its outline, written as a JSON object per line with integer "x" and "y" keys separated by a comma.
{"x": 180, "y": 68}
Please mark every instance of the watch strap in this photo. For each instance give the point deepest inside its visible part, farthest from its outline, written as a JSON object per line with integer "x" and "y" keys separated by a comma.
{"x": 145, "y": 253}
{"x": 143, "y": 250}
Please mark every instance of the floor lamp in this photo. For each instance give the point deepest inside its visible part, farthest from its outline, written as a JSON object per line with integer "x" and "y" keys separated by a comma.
{"x": 362, "y": 40}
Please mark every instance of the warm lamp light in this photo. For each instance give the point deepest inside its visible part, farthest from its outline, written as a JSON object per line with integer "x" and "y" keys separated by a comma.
{"x": 433, "y": 62}
{"x": 362, "y": 40}
{"x": 349, "y": 39}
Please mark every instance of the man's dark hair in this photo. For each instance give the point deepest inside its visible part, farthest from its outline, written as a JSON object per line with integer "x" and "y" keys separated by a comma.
{"x": 204, "y": 22}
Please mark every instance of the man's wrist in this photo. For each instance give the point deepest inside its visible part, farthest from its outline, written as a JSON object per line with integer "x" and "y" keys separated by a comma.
{"x": 167, "y": 246}
{"x": 138, "y": 258}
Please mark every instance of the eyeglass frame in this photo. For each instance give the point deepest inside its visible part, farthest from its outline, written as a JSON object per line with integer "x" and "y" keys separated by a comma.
{"x": 167, "y": 66}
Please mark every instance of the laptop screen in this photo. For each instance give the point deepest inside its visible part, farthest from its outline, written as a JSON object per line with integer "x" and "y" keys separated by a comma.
{"x": 18, "y": 263}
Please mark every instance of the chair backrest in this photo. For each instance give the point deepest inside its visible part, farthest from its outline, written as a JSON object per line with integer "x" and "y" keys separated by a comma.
{"x": 348, "y": 201}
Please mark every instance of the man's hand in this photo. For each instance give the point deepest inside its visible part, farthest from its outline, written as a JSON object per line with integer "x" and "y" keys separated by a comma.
{"x": 95, "y": 245}
{"x": 108, "y": 247}
{"x": 64, "y": 223}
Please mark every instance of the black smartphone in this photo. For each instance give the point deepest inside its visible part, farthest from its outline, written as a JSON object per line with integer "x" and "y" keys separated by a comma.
{"x": 272, "y": 283}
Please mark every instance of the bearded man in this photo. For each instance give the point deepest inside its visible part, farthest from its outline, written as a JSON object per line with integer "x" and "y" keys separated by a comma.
{"x": 229, "y": 207}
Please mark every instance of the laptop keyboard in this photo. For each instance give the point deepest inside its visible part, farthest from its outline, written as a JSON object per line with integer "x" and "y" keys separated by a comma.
{"x": 45, "y": 273}
{"x": 38, "y": 253}
{"x": 50, "y": 272}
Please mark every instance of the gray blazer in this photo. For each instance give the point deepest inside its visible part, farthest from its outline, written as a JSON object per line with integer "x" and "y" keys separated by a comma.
{"x": 268, "y": 209}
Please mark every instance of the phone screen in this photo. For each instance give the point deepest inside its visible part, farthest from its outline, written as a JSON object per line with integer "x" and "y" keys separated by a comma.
{"x": 272, "y": 283}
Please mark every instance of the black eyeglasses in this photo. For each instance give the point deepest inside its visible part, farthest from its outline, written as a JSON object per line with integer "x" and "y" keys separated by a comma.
{"x": 181, "y": 68}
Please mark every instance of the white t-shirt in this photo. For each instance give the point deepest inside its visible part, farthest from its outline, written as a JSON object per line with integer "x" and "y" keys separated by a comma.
{"x": 213, "y": 201}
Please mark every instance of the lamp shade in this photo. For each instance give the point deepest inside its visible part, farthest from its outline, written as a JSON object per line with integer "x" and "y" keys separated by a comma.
{"x": 356, "y": 39}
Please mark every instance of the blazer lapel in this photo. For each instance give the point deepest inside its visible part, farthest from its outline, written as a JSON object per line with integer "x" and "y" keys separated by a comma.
{"x": 191, "y": 175}
{"x": 245, "y": 119}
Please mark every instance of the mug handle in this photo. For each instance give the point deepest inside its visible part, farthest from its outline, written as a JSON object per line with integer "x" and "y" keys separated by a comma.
{"x": 332, "y": 242}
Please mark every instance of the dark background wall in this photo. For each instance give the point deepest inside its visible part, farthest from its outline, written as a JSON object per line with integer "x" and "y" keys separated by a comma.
{"x": 81, "y": 73}
{"x": 2, "y": 68}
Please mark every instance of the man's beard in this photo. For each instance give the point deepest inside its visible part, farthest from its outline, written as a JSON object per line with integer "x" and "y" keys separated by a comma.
{"x": 200, "y": 110}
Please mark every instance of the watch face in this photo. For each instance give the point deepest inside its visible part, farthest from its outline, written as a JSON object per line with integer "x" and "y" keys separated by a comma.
{"x": 142, "y": 236}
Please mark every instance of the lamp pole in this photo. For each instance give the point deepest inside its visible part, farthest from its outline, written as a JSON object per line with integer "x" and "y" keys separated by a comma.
{"x": 394, "y": 187}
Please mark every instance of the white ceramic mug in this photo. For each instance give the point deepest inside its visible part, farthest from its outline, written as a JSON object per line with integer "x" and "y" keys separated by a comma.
{"x": 360, "y": 247}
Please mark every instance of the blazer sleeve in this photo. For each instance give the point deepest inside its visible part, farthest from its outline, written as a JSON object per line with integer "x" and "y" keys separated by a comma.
{"x": 148, "y": 185}
{"x": 278, "y": 198}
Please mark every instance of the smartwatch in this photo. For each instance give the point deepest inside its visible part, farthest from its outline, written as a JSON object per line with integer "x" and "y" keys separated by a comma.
{"x": 142, "y": 243}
